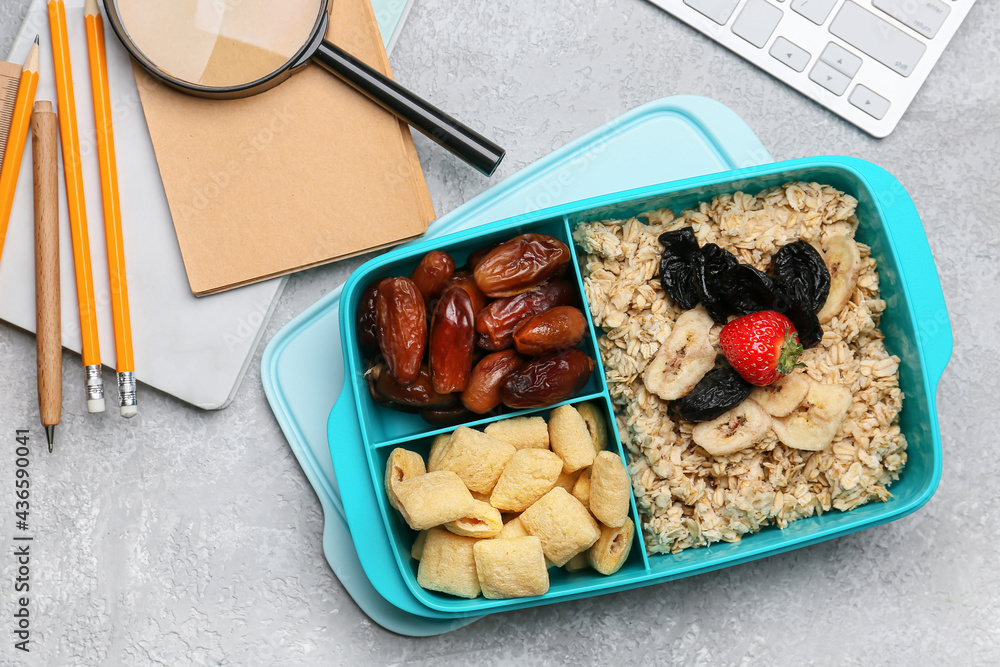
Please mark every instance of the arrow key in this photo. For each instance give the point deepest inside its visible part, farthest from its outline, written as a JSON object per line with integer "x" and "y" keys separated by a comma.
{"x": 869, "y": 101}
{"x": 840, "y": 59}
{"x": 786, "y": 52}
{"x": 828, "y": 77}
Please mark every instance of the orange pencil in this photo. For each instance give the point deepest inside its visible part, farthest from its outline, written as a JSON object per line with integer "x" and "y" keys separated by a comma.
{"x": 125, "y": 364}
{"x": 26, "y": 88}
{"x": 77, "y": 209}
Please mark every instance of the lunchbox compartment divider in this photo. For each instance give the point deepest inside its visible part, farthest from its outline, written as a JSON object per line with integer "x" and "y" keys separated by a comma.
{"x": 486, "y": 420}
{"x": 599, "y": 367}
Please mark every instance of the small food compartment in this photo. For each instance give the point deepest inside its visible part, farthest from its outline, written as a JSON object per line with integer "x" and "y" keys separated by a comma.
{"x": 515, "y": 463}
{"x": 428, "y": 299}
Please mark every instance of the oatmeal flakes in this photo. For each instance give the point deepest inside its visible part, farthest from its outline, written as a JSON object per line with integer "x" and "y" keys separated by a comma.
{"x": 686, "y": 497}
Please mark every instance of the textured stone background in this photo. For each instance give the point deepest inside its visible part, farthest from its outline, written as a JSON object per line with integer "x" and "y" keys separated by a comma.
{"x": 186, "y": 537}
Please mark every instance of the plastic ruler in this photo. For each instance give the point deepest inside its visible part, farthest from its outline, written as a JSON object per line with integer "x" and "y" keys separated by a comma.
{"x": 10, "y": 77}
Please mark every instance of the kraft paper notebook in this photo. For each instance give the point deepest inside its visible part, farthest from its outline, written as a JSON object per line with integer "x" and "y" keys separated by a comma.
{"x": 306, "y": 173}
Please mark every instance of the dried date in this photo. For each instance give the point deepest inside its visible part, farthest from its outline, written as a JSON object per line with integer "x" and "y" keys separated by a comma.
{"x": 367, "y": 323}
{"x": 465, "y": 280}
{"x": 402, "y": 327}
{"x": 476, "y": 256}
{"x": 546, "y": 380}
{"x": 452, "y": 341}
{"x": 432, "y": 273}
{"x": 550, "y": 331}
{"x": 448, "y": 416}
{"x": 520, "y": 264}
{"x": 418, "y": 395}
{"x": 482, "y": 395}
{"x": 496, "y": 323}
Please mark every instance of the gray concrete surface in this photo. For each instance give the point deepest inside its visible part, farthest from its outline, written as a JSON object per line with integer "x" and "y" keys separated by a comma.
{"x": 185, "y": 537}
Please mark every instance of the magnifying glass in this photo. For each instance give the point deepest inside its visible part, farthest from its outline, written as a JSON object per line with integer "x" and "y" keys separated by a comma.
{"x": 235, "y": 48}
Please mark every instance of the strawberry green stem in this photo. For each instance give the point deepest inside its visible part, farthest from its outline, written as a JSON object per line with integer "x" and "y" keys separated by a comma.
{"x": 791, "y": 350}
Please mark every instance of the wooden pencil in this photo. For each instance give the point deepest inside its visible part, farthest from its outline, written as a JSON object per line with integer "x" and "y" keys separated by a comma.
{"x": 45, "y": 151}
{"x": 124, "y": 361}
{"x": 73, "y": 173}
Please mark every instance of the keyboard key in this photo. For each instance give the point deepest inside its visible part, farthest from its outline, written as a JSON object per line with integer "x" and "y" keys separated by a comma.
{"x": 757, "y": 21}
{"x": 841, "y": 59}
{"x": 717, "y": 10}
{"x": 924, "y": 16}
{"x": 790, "y": 54}
{"x": 814, "y": 10}
{"x": 826, "y": 76}
{"x": 869, "y": 101}
{"x": 884, "y": 42}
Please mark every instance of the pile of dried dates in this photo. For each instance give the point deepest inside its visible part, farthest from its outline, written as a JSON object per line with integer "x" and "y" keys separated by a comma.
{"x": 796, "y": 286}
{"x": 500, "y": 331}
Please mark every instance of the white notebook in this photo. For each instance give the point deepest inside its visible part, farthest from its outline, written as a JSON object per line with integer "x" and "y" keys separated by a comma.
{"x": 194, "y": 348}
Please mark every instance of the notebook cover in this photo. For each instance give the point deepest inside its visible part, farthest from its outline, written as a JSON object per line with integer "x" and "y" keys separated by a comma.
{"x": 306, "y": 173}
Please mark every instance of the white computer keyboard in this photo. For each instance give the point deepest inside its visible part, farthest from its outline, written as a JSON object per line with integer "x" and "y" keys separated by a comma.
{"x": 864, "y": 60}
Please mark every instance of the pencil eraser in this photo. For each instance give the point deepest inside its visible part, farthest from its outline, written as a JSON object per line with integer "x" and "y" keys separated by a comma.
{"x": 95, "y": 405}
{"x": 129, "y": 411}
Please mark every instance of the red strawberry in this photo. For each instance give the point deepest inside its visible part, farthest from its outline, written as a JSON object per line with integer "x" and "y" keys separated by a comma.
{"x": 761, "y": 346}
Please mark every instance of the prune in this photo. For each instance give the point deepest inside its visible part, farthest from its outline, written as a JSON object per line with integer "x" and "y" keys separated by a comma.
{"x": 520, "y": 264}
{"x": 676, "y": 266}
{"x": 798, "y": 289}
{"x": 431, "y": 274}
{"x": 452, "y": 341}
{"x": 483, "y": 391}
{"x": 803, "y": 273}
{"x": 711, "y": 278}
{"x": 465, "y": 280}
{"x": 751, "y": 291}
{"x": 719, "y": 391}
{"x": 550, "y": 331}
{"x": 546, "y": 380}
{"x": 495, "y": 324}
{"x": 367, "y": 323}
{"x": 805, "y": 320}
{"x": 417, "y": 395}
{"x": 402, "y": 327}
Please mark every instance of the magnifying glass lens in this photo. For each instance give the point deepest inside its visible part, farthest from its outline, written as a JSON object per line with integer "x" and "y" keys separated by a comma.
{"x": 234, "y": 48}
{"x": 219, "y": 43}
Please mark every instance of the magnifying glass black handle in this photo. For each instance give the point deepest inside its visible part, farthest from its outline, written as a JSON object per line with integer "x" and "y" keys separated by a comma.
{"x": 463, "y": 141}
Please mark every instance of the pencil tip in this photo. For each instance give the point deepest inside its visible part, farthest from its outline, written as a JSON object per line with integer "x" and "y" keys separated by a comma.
{"x": 36, "y": 40}
{"x": 50, "y": 434}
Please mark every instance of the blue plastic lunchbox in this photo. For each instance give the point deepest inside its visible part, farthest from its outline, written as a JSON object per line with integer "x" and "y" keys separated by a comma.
{"x": 915, "y": 323}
